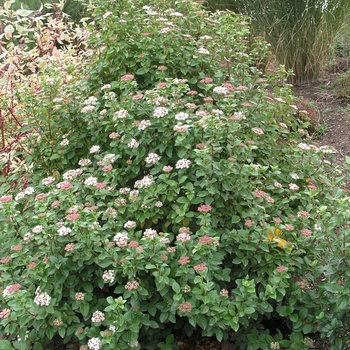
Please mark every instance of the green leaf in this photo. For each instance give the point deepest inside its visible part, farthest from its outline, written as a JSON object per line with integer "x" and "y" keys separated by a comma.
{"x": 23, "y": 12}
{"x": 38, "y": 346}
{"x": 308, "y": 328}
{"x": 9, "y": 29}
{"x": 84, "y": 309}
{"x": 294, "y": 317}
{"x": 219, "y": 334}
{"x": 342, "y": 302}
{"x": 5, "y": 345}
{"x": 249, "y": 310}
{"x": 176, "y": 287}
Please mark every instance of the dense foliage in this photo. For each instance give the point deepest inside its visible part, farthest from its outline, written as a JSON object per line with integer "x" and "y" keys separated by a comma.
{"x": 170, "y": 186}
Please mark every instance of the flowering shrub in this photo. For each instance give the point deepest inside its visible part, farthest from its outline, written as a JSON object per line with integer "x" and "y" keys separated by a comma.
{"x": 186, "y": 195}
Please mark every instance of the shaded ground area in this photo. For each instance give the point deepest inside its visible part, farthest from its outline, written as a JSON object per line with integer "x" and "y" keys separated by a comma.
{"x": 331, "y": 117}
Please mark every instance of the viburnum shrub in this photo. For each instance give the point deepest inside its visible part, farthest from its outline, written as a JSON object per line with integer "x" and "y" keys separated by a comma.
{"x": 194, "y": 201}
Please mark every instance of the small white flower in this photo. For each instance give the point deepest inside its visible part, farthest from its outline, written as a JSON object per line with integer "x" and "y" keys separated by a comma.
{"x": 318, "y": 227}
{"x": 133, "y": 144}
{"x": 258, "y": 131}
{"x": 106, "y": 86}
{"x": 84, "y": 162}
{"x": 94, "y": 149}
{"x": 94, "y": 344}
{"x": 221, "y": 90}
{"x": 124, "y": 190}
{"x": 150, "y": 233}
{"x": 121, "y": 114}
{"x": 144, "y": 124}
{"x": 160, "y": 112}
{"x": 145, "y": 182}
{"x": 295, "y": 176}
{"x": 64, "y": 231}
{"x": 203, "y": 51}
{"x": 183, "y": 164}
{"x": 88, "y": 109}
{"x": 98, "y": 316}
{"x": 159, "y": 204}
{"x": 42, "y": 298}
{"x": 37, "y": 229}
{"x": 152, "y": 158}
{"x": 293, "y": 187}
{"x": 28, "y": 237}
{"x": 109, "y": 158}
{"x": 91, "y": 181}
{"x": 181, "y": 116}
{"x": 108, "y": 276}
{"x": 48, "y": 181}
{"x": 64, "y": 142}
{"x": 130, "y": 224}
{"x": 29, "y": 190}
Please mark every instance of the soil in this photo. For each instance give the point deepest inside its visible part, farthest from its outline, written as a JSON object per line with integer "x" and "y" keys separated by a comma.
{"x": 331, "y": 112}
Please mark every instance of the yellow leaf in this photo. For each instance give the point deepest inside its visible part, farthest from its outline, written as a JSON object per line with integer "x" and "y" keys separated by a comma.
{"x": 281, "y": 243}
{"x": 278, "y": 232}
{"x": 270, "y": 235}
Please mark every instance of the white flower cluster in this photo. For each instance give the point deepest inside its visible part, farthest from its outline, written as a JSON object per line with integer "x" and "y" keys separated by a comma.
{"x": 91, "y": 181}
{"x": 90, "y": 104}
{"x": 109, "y": 158}
{"x": 37, "y": 229}
{"x": 121, "y": 114}
{"x": 94, "y": 149}
{"x": 179, "y": 127}
{"x": 203, "y": 51}
{"x": 152, "y": 158}
{"x": 111, "y": 212}
{"x": 108, "y": 276}
{"x": 28, "y": 237}
{"x": 72, "y": 174}
{"x": 27, "y": 191}
{"x": 98, "y": 316}
{"x": 133, "y": 144}
{"x": 41, "y": 298}
{"x": 124, "y": 190}
{"x": 181, "y": 116}
{"x": 94, "y": 344}
{"x": 221, "y": 90}
{"x": 150, "y": 233}
{"x": 121, "y": 239}
{"x": 64, "y": 231}
{"x": 160, "y": 112}
{"x": 130, "y": 224}
{"x": 48, "y": 180}
{"x": 183, "y": 164}
{"x": 144, "y": 124}
{"x": 84, "y": 162}
{"x": 64, "y": 142}
{"x": 145, "y": 182}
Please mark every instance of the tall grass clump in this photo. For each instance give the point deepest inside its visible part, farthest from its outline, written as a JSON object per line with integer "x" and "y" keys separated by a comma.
{"x": 169, "y": 187}
{"x": 299, "y": 31}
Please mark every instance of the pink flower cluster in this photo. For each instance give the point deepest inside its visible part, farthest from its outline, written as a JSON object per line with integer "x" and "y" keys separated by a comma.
{"x": 11, "y": 289}
{"x": 200, "y": 267}
{"x": 205, "y": 240}
{"x": 184, "y": 260}
{"x": 205, "y": 208}
{"x": 185, "y": 307}
{"x": 262, "y": 194}
{"x": 132, "y": 285}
